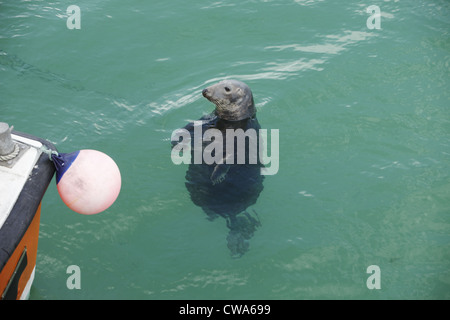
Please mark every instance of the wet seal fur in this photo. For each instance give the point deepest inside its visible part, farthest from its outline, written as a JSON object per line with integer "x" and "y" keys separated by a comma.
{"x": 223, "y": 189}
{"x": 233, "y": 100}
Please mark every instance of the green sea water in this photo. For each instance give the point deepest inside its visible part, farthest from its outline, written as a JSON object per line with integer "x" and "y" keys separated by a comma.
{"x": 364, "y": 143}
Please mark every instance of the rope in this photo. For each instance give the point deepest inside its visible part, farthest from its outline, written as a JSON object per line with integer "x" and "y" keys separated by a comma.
{"x": 48, "y": 152}
{"x": 12, "y": 155}
{"x": 16, "y": 152}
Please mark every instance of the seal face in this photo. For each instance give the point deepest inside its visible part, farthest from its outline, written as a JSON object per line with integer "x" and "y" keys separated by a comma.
{"x": 233, "y": 100}
{"x": 223, "y": 189}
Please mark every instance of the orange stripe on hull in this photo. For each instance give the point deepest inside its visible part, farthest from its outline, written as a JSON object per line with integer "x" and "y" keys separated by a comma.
{"x": 29, "y": 241}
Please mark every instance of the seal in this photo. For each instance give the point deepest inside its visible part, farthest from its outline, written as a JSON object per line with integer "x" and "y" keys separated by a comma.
{"x": 233, "y": 100}
{"x": 224, "y": 189}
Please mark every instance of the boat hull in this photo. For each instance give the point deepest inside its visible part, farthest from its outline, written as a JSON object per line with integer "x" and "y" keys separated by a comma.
{"x": 19, "y": 233}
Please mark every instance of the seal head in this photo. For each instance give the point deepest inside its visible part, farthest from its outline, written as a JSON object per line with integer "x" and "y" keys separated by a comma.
{"x": 233, "y": 100}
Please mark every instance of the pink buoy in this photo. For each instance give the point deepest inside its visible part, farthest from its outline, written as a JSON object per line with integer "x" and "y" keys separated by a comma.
{"x": 88, "y": 181}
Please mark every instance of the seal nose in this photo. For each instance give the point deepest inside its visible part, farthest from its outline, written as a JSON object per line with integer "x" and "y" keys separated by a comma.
{"x": 204, "y": 92}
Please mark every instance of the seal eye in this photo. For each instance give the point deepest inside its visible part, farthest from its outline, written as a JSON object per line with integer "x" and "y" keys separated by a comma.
{"x": 227, "y": 89}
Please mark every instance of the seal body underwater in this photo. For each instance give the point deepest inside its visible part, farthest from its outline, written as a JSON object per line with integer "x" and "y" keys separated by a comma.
{"x": 224, "y": 189}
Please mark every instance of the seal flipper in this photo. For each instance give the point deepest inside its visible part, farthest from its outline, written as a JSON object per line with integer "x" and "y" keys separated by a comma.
{"x": 219, "y": 173}
{"x": 241, "y": 227}
{"x": 220, "y": 170}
